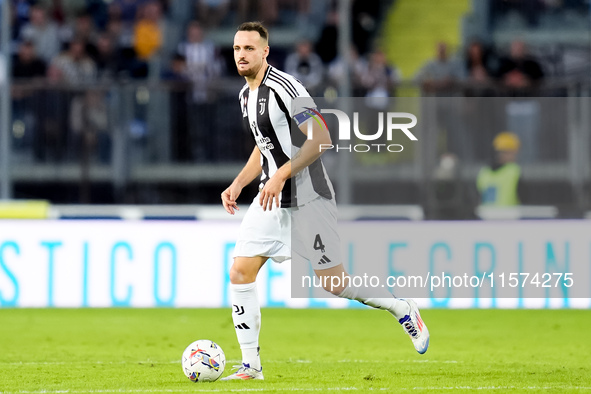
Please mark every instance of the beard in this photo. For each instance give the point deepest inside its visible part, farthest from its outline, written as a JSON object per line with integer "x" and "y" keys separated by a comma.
{"x": 246, "y": 72}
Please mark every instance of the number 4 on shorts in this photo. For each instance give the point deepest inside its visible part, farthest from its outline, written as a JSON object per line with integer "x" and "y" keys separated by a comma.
{"x": 318, "y": 245}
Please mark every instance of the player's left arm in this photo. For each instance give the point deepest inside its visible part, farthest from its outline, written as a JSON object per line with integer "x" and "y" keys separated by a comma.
{"x": 308, "y": 154}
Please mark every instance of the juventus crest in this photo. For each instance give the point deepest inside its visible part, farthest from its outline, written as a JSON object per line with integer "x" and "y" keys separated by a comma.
{"x": 262, "y": 104}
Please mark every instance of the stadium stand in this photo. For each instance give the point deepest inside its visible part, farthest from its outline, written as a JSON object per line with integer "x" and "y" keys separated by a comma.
{"x": 122, "y": 128}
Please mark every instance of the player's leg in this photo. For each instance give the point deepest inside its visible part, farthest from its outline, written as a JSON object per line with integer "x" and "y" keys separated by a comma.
{"x": 334, "y": 280}
{"x": 246, "y": 314}
{"x": 261, "y": 234}
{"x": 318, "y": 239}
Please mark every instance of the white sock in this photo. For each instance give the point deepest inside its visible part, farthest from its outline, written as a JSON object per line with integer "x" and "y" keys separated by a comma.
{"x": 246, "y": 314}
{"x": 398, "y": 308}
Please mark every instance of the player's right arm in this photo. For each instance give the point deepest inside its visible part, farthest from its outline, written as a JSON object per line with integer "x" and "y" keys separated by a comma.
{"x": 252, "y": 169}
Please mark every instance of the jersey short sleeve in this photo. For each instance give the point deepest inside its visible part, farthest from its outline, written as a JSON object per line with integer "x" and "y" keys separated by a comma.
{"x": 292, "y": 93}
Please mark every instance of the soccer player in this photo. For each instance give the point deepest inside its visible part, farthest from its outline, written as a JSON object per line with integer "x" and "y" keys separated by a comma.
{"x": 268, "y": 106}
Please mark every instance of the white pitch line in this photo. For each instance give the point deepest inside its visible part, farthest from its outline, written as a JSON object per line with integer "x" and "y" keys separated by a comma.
{"x": 262, "y": 389}
{"x": 225, "y": 390}
{"x": 98, "y": 362}
{"x": 402, "y": 361}
{"x": 228, "y": 362}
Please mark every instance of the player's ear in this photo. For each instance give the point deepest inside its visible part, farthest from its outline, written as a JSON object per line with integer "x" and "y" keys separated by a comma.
{"x": 266, "y": 52}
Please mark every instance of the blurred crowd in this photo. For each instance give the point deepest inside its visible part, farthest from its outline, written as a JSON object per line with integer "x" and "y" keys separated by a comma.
{"x": 529, "y": 12}
{"x": 72, "y": 47}
{"x": 86, "y": 41}
{"x": 78, "y": 43}
{"x": 74, "y": 60}
{"x": 482, "y": 72}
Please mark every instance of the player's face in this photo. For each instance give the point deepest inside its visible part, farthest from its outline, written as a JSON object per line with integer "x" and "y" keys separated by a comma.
{"x": 250, "y": 52}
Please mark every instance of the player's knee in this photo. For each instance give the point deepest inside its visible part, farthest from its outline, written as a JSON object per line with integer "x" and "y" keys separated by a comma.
{"x": 240, "y": 275}
{"x": 236, "y": 275}
{"x": 331, "y": 286}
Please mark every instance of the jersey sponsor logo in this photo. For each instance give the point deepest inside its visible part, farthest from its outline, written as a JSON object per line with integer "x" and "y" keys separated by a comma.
{"x": 264, "y": 143}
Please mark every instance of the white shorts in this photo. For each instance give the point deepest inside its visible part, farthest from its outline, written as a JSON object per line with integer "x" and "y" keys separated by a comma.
{"x": 265, "y": 233}
{"x": 310, "y": 229}
{"x": 315, "y": 235}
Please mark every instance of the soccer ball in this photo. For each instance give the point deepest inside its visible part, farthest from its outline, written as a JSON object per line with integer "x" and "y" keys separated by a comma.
{"x": 203, "y": 361}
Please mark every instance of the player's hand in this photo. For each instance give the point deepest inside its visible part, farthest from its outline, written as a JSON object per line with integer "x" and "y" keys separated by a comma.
{"x": 229, "y": 197}
{"x": 271, "y": 192}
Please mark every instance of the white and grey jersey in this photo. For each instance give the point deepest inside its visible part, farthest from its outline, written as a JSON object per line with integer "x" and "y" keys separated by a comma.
{"x": 268, "y": 112}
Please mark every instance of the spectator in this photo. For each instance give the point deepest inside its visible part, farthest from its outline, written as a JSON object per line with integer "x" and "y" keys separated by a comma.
{"x": 121, "y": 40}
{"x": 306, "y": 66}
{"x": 264, "y": 10}
{"x": 74, "y": 66}
{"x": 82, "y": 28}
{"x": 203, "y": 67}
{"x": 51, "y": 140}
{"x": 63, "y": 11}
{"x": 203, "y": 63}
{"x": 89, "y": 123}
{"x": 522, "y": 75}
{"x": 87, "y": 114}
{"x": 520, "y": 72}
{"x": 98, "y": 10}
{"x": 366, "y": 15}
{"x": 127, "y": 10}
{"x": 148, "y": 35}
{"x": 357, "y": 68}
{"x": 178, "y": 77}
{"x": 21, "y": 11}
{"x": 119, "y": 33}
{"x": 43, "y": 33}
{"x": 275, "y": 11}
{"x": 177, "y": 70}
{"x": 439, "y": 76}
{"x": 500, "y": 183}
{"x": 26, "y": 64}
{"x": 480, "y": 69}
{"x": 379, "y": 80}
{"x": 210, "y": 13}
{"x": 107, "y": 58}
{"x": 327, "y": 44}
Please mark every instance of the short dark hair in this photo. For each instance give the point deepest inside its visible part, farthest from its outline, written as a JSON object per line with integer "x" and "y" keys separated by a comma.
{"x": 255, "y": 26}
{"x": 178, "y": 57}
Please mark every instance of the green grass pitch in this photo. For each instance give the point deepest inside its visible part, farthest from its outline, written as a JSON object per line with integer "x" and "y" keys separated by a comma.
{"x": 315, "y": 350}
